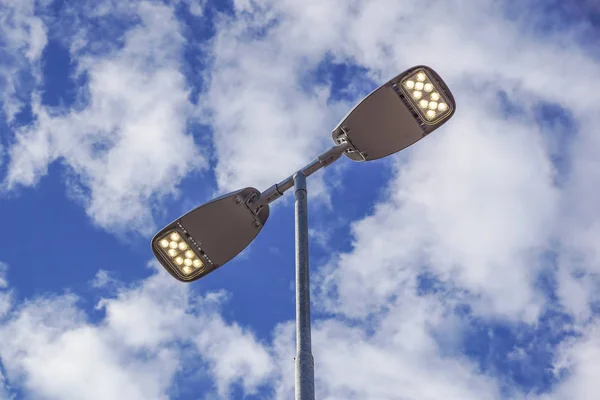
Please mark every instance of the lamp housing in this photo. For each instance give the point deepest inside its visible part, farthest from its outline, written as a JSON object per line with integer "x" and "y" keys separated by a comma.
{"x": 210, "y": 235}
{"x": 395, "y": 115}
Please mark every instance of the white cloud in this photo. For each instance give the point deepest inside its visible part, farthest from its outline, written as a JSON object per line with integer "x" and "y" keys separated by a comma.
{"x": 128, "y": 147}
{"x": 23, "y": 37}
{"x": 103, "y": 279}
{"x": 50, "y": 348}
{"x": 393, "y": 356}
{"x": 5, "y": 294}
{"x": 580, "y": 224}
{"x": 3, "y": 282}
{"x": 195, "y": 7}
{"x": 4, "y": 390}
{"x": 578, "y": 359}
{"x": 476, "y": 204}
{"x": 266, "y": 126}
{"x": 235, "y": 356}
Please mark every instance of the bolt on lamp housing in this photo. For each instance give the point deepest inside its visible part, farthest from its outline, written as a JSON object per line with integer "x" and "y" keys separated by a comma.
{"x": 207, "y": 237}
{"x": 397, "y": 114}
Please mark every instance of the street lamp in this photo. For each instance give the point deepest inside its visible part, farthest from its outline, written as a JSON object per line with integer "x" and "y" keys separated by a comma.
{"x": 391, "y": 118}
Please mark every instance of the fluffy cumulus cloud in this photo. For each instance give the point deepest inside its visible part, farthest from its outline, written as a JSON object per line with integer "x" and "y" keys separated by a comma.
{"x": 261, "y": 106}
{"x": 126, "y": 144}
{"x": 484, "y": 238}
{"x": 479, "y": 207}
{"x": 22, "y": 40}
{"x": 578, "y": 359}
{"x": 472, "y": 225}
{"x": 147, "y": 334}
{"x": 395, "y": 356}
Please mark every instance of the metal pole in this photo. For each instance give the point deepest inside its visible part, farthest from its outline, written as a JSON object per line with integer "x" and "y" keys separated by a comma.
{"x": 305, "y": 369}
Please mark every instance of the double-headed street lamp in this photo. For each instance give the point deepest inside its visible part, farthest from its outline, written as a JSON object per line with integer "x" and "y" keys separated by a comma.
{"x": 391, "y": 118}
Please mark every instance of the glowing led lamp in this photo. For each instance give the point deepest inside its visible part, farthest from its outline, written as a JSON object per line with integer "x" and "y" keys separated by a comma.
{"x": 429, "y": 100}
{"x": 180, "y": 254}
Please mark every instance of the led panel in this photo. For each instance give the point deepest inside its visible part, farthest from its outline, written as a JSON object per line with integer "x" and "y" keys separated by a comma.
{"x": 179, "y": 253}
{"x": 429, "y": 100}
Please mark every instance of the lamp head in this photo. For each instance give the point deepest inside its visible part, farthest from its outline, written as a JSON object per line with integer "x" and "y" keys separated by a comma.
{"x": 397, "y": 114}
{"x": 207, "y": 237}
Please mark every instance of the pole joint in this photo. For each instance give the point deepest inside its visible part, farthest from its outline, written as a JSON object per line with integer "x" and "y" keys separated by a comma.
{"x": 299, "y": 181}
{"x": 324, "y": 160}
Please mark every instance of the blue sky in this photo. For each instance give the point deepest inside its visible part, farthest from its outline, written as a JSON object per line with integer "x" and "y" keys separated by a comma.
{"x": 466, "y": 267}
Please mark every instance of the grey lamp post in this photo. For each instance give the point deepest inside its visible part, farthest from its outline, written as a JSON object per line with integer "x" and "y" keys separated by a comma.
{"x": 391, "y": 118}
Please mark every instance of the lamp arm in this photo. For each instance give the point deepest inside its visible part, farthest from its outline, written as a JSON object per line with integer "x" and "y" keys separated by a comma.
{"x": 322, "y": 161}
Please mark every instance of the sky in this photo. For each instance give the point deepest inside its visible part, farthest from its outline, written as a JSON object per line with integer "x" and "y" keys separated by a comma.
{"x": 464, "y": 267}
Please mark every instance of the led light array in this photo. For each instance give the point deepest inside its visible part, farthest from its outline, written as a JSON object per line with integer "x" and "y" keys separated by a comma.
{"x": 426, "y": 96}
{"x": 180, "y": 253}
